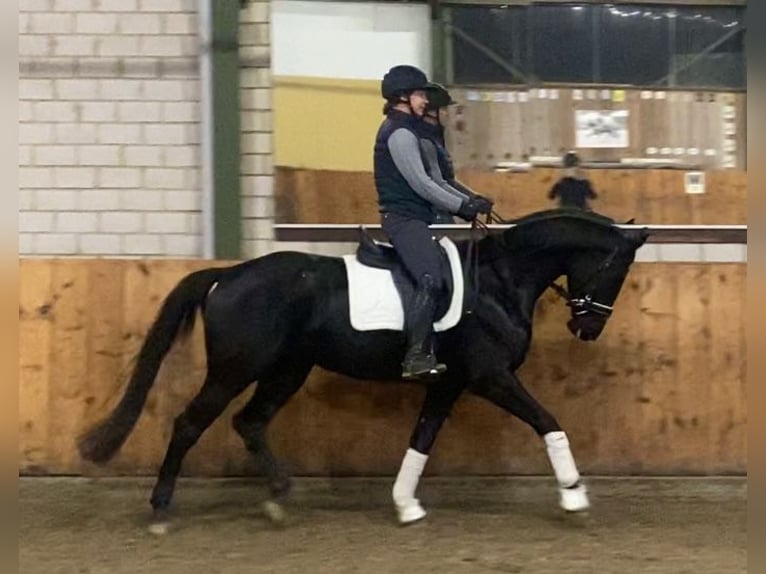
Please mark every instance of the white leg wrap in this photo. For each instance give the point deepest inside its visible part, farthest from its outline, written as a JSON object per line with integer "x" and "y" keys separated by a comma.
{"x": 574, "y": 499}
{"x": 571, "y": 498}
{"x": 561, "y": 457}
{"x": 407, "y": 506}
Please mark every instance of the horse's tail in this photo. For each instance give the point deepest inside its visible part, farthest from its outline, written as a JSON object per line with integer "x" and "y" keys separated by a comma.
{"x": 176, "y": 317}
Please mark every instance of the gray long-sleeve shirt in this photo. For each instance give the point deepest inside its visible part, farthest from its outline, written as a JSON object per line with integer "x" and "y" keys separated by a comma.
{"x": 431, "y": 156}
{"x": 460, "y": 186}
{"x": 405, "y": 151}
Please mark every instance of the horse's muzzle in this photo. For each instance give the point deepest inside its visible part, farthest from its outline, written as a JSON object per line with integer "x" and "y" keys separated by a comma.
{"x": 587, "y": 326}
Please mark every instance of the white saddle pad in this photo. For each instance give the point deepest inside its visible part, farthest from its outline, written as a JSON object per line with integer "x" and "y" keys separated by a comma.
{"x": 374, "y": 302}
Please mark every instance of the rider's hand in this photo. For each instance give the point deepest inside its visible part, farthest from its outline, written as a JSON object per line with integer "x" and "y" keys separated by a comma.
{"x": 469, "y": 210}
{"x": 484, "y": 204}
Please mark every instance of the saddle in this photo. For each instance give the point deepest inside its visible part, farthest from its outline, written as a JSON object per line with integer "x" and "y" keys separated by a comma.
{"x": 383, "y": 256}
{"x": 380, "y": 288}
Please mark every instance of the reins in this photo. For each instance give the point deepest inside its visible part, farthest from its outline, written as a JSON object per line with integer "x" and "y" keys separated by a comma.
{"x": 585, "y": 304}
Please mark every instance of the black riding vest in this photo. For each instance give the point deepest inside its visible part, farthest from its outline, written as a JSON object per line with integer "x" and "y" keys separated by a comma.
{"x": 394, "y": 193}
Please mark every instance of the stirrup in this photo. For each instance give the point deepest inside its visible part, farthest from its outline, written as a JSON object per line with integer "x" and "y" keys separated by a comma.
{"x": 429, "y": 368}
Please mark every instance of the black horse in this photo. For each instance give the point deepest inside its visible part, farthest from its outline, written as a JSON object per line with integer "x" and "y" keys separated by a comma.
{"x": 271, "y": 319}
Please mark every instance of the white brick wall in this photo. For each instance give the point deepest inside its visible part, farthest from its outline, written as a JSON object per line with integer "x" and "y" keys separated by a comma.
{"x": 109, "y": 158}
{"x": 257, "y": 179}
{"x": 109, "y": 128}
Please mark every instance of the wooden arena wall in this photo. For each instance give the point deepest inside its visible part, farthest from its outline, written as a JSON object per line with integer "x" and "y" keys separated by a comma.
{"x": 705, "y": 128}
{"x": 662, "y": 391}
{"x": 650, "y": 196}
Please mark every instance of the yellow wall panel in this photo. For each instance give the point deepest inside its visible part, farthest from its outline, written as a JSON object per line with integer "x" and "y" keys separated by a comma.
{"x": 322, "y": 123}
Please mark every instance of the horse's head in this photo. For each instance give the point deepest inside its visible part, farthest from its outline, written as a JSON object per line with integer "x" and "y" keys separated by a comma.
{"x": 589, "y": 249}
{"x": 594, "y": 279}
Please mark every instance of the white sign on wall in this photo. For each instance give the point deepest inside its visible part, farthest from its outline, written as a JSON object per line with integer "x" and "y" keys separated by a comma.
{"x": 601, "y": 128}
{"x": 695, "y": 182}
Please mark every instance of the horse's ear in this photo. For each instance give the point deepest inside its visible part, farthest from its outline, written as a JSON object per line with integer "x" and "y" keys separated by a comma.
{"x": 637, "y": 236}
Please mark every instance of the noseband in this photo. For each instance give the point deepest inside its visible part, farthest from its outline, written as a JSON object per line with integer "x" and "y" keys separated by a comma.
{"x": 585, "y": 304}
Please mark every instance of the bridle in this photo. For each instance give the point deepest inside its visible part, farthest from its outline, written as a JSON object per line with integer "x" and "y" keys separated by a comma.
{"x": 581, "y": 306}
{"x": 585, "y": 304}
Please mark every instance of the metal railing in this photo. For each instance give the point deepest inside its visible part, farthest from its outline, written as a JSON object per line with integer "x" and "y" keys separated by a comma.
{"x": 349, "y": 232}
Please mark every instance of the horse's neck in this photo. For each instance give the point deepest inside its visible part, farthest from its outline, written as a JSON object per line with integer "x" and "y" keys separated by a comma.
{"x": 534, "y": 277}
{"x": 522, "y": 280}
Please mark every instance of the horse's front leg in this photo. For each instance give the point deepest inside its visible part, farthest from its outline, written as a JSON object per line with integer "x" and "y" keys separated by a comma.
{"x": 506, "y": 391}
{"x": 440, "y": 397}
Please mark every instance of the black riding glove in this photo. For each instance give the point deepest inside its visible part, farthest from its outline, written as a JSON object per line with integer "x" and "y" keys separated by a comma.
{"x": 469, "y": 210}
{"x": 484, "y": 204}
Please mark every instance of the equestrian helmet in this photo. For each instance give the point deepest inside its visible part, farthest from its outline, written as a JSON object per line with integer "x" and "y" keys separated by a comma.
{"x": 402, "y": 80}
{"x": 438, "y": 96}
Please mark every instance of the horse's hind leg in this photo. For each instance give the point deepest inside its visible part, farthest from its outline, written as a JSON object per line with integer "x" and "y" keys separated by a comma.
{"x": 271, "y": 394}
{"x": 216, "y": 393}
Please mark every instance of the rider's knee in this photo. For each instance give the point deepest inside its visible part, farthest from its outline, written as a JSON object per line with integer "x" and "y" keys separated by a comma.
{"x": 428, "y": 282}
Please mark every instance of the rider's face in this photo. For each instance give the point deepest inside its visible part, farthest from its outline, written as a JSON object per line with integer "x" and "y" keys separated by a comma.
{"x": 431, "y": 117}
{"x": 418, "y": 101}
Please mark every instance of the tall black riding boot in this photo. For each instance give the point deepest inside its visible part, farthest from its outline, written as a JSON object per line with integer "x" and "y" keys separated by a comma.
{"x": 420, "y": 361}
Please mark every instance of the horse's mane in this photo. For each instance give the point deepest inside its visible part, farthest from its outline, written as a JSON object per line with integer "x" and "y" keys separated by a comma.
{"x": 564, "y": 213}
{"x": 560, "y": 228}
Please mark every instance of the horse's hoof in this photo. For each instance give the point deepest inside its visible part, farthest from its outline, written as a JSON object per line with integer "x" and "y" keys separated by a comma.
{"x": 280, "y": 488}
{"x": 574, "y": 499}
{"x": 159, "y": 528}
{"x": 160, "y": 522}
{"x": 411, "y": 513}
{"x": 275, "y": 512}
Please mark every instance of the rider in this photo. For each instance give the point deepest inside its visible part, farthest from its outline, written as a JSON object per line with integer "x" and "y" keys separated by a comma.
{"x": 436, "y": 155}
{"x": 573, "y": 189}
{"x": 408, "y": 199}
